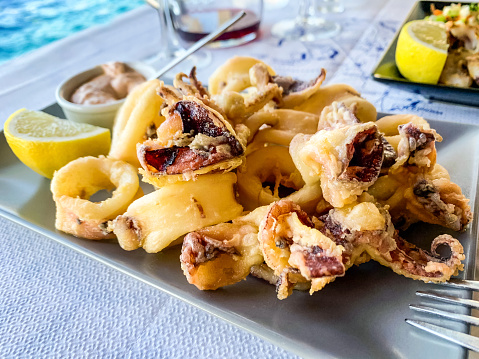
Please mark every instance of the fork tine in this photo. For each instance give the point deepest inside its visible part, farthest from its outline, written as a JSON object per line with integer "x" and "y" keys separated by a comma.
{"x": 460, "y": 283}
{"x": 465, "y": 340}
{"x": 459, "y": 317}
{"x": 449, "y": 299}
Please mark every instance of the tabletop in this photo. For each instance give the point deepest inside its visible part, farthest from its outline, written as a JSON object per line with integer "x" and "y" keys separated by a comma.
{"x": 56, "y": 302}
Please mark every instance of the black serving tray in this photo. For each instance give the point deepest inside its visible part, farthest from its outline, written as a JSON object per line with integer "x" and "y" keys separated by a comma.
{"x": 387, "y": 71}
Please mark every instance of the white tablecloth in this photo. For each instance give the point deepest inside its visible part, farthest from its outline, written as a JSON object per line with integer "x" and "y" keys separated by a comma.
{"x": 56, "y": 302}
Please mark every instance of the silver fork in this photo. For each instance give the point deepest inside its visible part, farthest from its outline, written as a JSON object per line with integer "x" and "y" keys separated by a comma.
{"x": 466, "y": 340}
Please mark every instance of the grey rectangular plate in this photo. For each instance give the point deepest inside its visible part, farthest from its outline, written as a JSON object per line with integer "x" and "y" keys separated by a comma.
{"x": 358, "y": 316}
{"x": 387, "y": 71}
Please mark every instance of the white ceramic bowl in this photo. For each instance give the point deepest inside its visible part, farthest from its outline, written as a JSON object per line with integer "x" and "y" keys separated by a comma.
{"x": 102, "y": 115}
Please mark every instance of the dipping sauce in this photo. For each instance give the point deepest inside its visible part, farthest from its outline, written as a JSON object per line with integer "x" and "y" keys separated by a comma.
{"x": 116, "y": 83}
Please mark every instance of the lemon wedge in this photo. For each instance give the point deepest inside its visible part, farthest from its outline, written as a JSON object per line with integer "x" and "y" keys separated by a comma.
{"x": 46, "y": 143}
{"x": 421, "y": 51}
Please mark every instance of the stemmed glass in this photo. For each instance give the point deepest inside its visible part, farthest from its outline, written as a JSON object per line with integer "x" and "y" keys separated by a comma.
{"x": 183, "y": 22}
{"x": 170, "y": 47}
{"x": 309, "y": 24}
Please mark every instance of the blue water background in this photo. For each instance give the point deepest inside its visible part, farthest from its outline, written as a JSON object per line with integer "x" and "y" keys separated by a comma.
{"x": 26, "y": 25}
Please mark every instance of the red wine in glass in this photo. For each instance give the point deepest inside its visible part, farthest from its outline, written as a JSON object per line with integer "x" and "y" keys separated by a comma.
{"x": 195, "y": 25}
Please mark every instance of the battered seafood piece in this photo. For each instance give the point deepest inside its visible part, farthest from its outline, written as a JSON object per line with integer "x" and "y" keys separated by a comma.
{"x": 238, "y": 106}
{"x": 466, "y": 35}
{"x": 234, "y": 75}
{"x": 439, "y": 201}
{"x": 136, "y": 121}
{"x": 195, "y": 88}
{"x": 417, "y": 148}
{"x": 301, "y": 253}
{"x": 270, "y": 175}
{"x": 430, "y": 198}
{"x": 296, "y": 251}
{"x": 326, "y": 95}
{"x": 389, "y": 126}
{"x": 74, "y": 184}
{"x": 455, "y": 72}
{"x": 194, "y": 139}
{"x": 296, "y": 92}
{"x": 157, "y": 220}
{"x": 346, "y": 160}
{"x": 473, "y": 67}
{"x": 278, "y": 126}
{"x": 359, "y": 229}
{"x": 223, "y": 254}
{"x": 418, "y": 189}
{"x": 262, "y": 271}
{"x": 337, "y": 115}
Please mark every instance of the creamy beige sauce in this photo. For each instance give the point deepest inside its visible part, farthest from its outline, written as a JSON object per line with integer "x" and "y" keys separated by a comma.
{"x": 116, "y": 82}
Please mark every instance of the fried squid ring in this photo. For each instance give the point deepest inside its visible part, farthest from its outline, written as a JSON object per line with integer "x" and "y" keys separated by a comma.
{"x": 194, "y": 140}
{"x": 296, "y": 251}
{"x": 346, "y": 160}
{"x": 279, "y": 126}
{"x": 270, "y": 175}
{"x": 326, "y": 95}
{"x": 234, "y": 75}
{"x": 74, "y": 184}
{"x": 136, "y": 121}
{"x": 157, "y": 220}
{"x": 223, "y": 254}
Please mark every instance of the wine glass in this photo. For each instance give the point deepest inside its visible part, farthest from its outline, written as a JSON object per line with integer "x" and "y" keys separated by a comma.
{"x": 308, "y": 25}
{"x": 170, "y": 45}
{"x": 194, "y": 19}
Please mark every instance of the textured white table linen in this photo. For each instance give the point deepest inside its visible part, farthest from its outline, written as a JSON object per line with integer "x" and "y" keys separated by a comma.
{"x": 55, "y": 302}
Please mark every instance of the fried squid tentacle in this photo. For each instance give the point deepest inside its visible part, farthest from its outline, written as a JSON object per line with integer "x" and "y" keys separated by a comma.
{"x": 296, "y": 251}
{"x": 415, "y": 263}
{"x": 384, "y": 245}
{"x": 416, "y": 188}
{"x": 224, "y": 254}
{"x": 296, "y": 92}
{"x": 438, "y": 201}
{"x": 346, "y": 160}
{"x": 337, "y": 115}
{"x": 239, "y": 106}
{"x": 193, "y": 88}
{"x": 416, "y": 148}
{"x": 194, "y": 139}
{"x": 233, "y": 75}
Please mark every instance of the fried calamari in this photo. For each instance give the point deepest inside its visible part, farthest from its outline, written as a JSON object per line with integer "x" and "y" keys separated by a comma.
{"x": 73, "y": 185}
{"x": 194, "y": 139}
